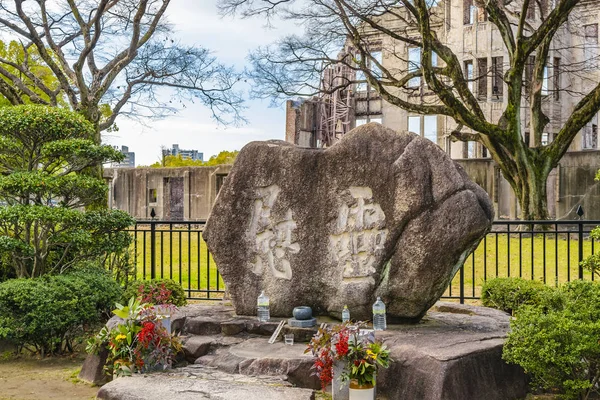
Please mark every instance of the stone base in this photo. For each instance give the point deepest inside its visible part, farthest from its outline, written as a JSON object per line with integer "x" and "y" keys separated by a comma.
{"x": 198, "y": 383}
{"x": 454, "y": 353}
{"x": 302, "y": 323}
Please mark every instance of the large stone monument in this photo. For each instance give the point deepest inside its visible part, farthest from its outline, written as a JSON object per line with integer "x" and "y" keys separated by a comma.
{"x": 380, "y": 213}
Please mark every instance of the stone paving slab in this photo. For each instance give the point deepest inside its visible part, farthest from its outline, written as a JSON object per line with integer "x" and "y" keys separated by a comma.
{"x": 197, "y": 383}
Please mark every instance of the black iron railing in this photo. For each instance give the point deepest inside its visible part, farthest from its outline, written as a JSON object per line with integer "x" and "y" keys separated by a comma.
{"x": 550, "y": 251}
{"x": 176, "y": 250}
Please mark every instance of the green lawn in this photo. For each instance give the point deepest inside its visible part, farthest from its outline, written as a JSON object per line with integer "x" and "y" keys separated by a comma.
{"x": 514, "y": 258}
{"x": 179, "y": 253}
{"x": 181, "y": 256}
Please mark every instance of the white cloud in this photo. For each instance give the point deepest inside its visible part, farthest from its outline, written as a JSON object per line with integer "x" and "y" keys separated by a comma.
{"x": 197, "y": 23}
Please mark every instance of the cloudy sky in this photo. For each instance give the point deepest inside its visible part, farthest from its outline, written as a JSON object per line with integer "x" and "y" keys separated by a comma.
{"x": 197, "y": 22}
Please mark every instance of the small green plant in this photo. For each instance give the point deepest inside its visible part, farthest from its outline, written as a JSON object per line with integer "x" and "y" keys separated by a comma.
{"x": 46, "y": 314}
{"x": 156, "y": 291}
{"x": 508, "y": 294}
{"x": 139, "y": 343}
{"x": 557, "y": 341}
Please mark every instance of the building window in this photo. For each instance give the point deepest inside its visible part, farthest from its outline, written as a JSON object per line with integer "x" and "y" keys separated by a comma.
{"x": 365, "y": 120}
{"x": 590, "y": 46}
{"x": 361, "y": 85}
{"x": 375, "y": 62}
{"x": 590, "y": 135}
{"x": 425, "y": 126}
{"x": 469, "y": 12}
{"x": 497, "y": 78}
{"x": 482, "y": 71}
{"x": 414, "y": 64}
{"x": 545, "y": 139}
{"x": 482, "y": 15}
{"x": 414, "y": 125}
{"x": 545, "y": 90}
{"x": 152, "y": 196}
{"x": 469, "y": 74}
{"x": 556, "y": 78}
{"x": 471, "y": 150}
{"x": 430, "y": 130}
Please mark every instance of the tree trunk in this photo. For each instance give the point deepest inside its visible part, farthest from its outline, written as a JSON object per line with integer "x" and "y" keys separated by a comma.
{"x": 528, "y": 182}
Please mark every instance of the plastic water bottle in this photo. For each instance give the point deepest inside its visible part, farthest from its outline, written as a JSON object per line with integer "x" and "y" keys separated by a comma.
{"x": 345, "y": 314}
{"x": 379, "y": 322}
{"x": 263, "y": 307}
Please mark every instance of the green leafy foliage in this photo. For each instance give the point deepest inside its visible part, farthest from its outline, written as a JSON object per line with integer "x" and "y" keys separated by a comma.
{"x": 47, "y": 313}
{"x": 557, "y": 340}
{"x": 46, "y": 222}
{"x": 592, "y": 262}
{"x": 508, "y": 294}
{"x": 223, "y": 158}
{"x": 156, "y": 291}
{"x": 15, "y": 53}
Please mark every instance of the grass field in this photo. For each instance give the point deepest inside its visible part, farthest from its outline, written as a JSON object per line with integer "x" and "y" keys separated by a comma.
{"x": 555, "y": 260}
{"x": 183, "y": 257}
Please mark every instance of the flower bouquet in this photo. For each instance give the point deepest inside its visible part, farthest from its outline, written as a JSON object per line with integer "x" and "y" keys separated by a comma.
{"x": 139, "y": 344}
{"x": 361, "y": 356}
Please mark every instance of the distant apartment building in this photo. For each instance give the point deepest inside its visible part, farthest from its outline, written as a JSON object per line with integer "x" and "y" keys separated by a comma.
{"x": 128, "y": 162}
{"x": 186, "y": 154}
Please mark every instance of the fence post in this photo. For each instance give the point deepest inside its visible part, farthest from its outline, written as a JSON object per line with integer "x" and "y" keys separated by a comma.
{"x": 462, "y": 284}
{"x": 580, "y": 249}
{"x": 153, "y": 250}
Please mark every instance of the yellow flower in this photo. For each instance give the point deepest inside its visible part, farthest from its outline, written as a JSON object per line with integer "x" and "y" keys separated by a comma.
{"x": 120, "y": 337}
{"x": 371, "y": 354}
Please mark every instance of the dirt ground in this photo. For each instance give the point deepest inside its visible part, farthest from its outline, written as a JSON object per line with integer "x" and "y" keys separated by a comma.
{"x": 27, "y": 378}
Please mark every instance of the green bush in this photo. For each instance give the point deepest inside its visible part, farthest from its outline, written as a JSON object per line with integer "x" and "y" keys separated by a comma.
{"x": 508, "y": 294}
{"x": 557, "y": 341}
{"x": 47, "y": 313}
{"x": 156, "y": 291}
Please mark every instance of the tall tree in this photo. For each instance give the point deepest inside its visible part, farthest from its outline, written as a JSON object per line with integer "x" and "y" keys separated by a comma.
{"x": 114, "y": 52}
{"x": 528, "y": 30}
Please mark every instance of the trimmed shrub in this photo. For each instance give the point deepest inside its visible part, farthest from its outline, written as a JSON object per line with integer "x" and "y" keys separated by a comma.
{"x": 508, "y": 294}
{"x": 47, "y": 313}
{"x": 556, "y": 341}
{"x": 156, "y": 291}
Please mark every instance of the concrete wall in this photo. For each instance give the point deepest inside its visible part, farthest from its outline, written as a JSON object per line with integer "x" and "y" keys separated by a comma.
{"x": 569, "y": 185}
{"x": 129, "y": 190}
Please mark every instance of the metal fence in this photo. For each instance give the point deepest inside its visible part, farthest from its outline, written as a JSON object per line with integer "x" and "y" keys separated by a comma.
{"x": 550, "y": 251}
{"x": 176, "y": 250}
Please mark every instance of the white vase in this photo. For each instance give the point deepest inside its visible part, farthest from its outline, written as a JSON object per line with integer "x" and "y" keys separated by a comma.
{"x": 361, "y": 393}
{"x": 163, "y": 312}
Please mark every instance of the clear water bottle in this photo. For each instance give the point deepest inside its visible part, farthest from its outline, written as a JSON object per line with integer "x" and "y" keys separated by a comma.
{"x": 263, "y": 307}
{"x": 379, "y": 322}
{"x": 345, "y": 314}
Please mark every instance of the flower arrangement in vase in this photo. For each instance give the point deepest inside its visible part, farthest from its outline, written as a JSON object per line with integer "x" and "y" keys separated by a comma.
{"x": 140, "y": 343}
{"x": 360, "y": 355}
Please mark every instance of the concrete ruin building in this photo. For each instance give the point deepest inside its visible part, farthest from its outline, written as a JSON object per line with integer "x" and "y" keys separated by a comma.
{"x": 175, "y": 194}
{"x": 573, "y": 69}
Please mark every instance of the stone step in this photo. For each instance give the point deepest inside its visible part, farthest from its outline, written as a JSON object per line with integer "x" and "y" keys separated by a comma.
{"x": 199, "y": 382}
{"x": 253, "y": 356}
{"x": 199, "y": 320}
